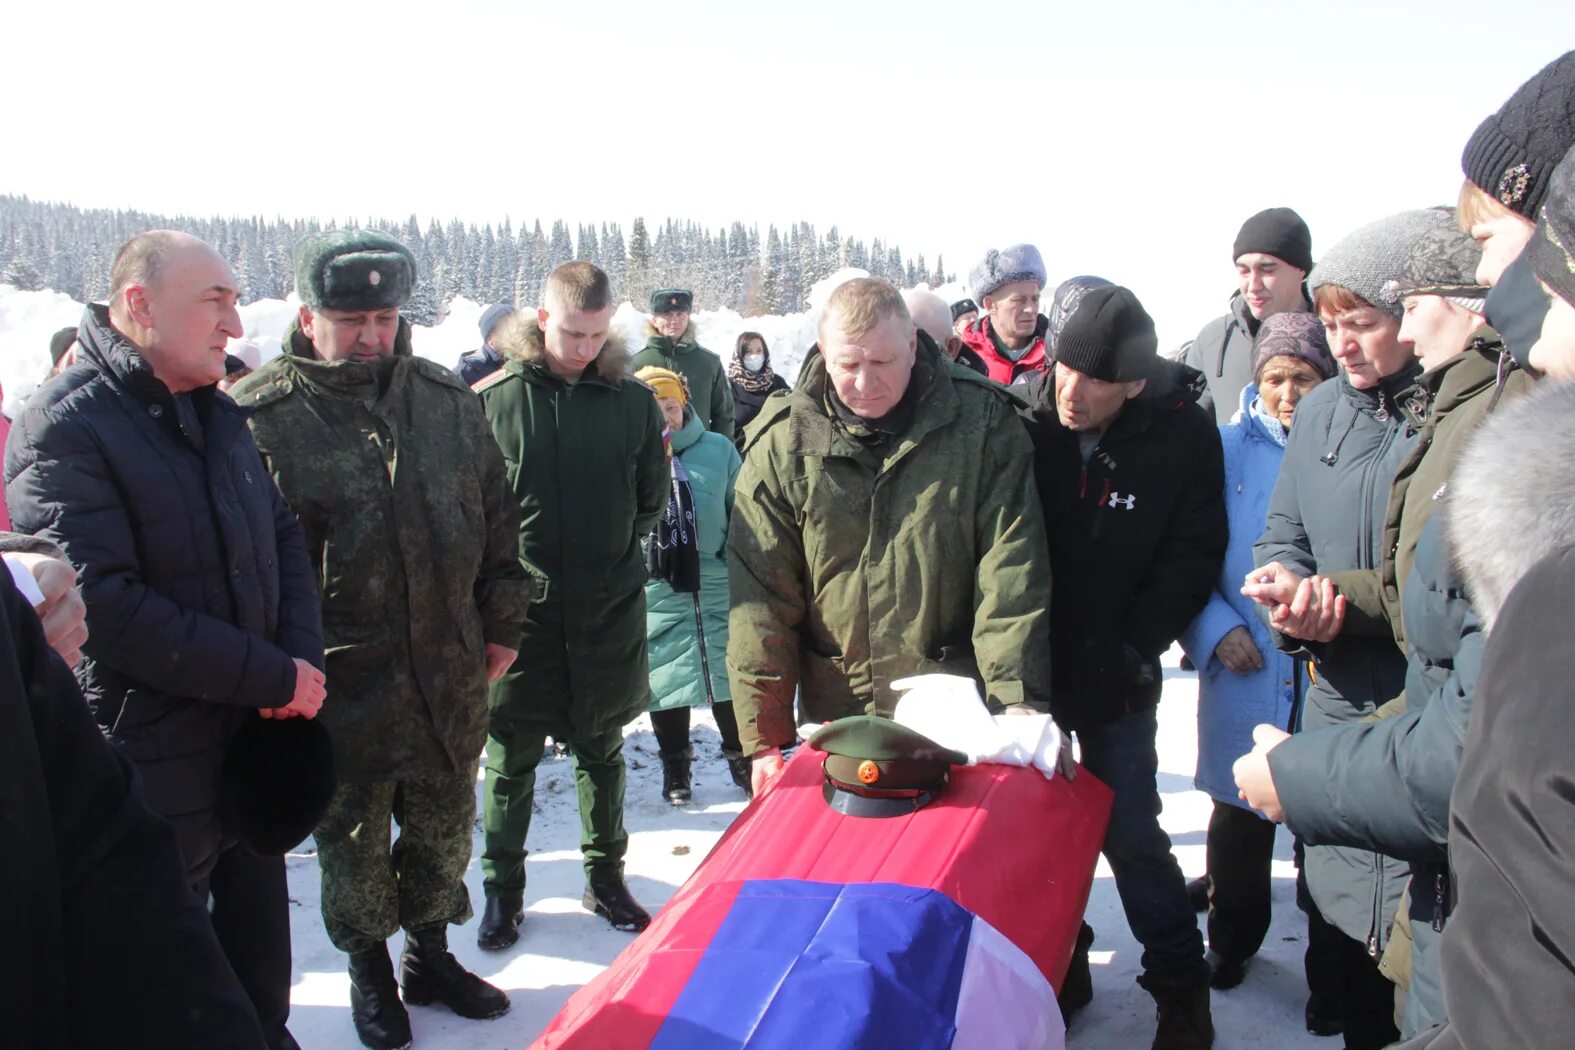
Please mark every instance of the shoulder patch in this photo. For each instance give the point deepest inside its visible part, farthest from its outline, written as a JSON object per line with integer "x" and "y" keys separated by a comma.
{"x": 486, "y": 382}
{"x": 773, "y": 410}
{"x": 436, "y": 373}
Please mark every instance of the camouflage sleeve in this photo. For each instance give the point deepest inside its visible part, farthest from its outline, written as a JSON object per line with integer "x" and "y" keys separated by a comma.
{"x": 722, "y": 416}
{"x": 650, "y": 469}
{"x": 503, "y": 589}
{"x": 766, "y": 571}
{"x": 1011, "y": 620}
{"x": 300, "y": 631}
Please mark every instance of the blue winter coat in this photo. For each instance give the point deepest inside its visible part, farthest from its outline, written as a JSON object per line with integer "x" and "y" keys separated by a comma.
{"x": 687, "y": 633}
{"x": 1230, "y": 704}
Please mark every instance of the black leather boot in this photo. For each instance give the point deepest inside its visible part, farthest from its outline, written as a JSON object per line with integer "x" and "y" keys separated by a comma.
{"x": 380, "y": 1018}
{"x": 429, "y": 973}
{"x": 675, "y": 775}
{"x": 1182, "y": 1003}
{"x": 608, "y": 896}
{"x": 500, "y": 921}
{"x": 1077, "y": 989}
{"x": 739, "y": 767}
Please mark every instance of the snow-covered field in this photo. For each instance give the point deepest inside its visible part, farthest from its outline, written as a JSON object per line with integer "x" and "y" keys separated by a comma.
{"x": 562, "y": 947}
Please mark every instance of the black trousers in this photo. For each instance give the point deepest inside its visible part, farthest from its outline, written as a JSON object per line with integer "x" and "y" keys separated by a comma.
{"x": 672, "y": 727}
{"x": 1240, "y": 851}
{"x": 250, "y": 909}
{"x": 1342, "y": 974}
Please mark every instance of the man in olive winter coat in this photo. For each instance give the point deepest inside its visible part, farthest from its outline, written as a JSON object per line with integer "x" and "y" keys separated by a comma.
{"x": 401, "y": 490}
{"x": 884, "y": 525}
{"x": 583, "y": 442}
{"x": 1131, "y": 478}
{"x": 670, "y": 344}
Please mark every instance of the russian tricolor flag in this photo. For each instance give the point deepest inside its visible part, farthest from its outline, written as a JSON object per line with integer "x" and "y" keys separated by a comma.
{"x": 949, "y": 927}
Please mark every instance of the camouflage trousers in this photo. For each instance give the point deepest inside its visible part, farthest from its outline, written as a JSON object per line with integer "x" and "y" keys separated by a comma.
{"x": 372, "y": 886}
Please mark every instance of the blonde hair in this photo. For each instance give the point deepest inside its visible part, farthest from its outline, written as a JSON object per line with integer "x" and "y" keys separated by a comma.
{"x": 861, "y": 304}
{"x": 1477, "y": 206}
{"x": 577, "y": 287}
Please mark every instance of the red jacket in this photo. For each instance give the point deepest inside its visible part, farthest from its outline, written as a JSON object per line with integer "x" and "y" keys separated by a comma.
{"x": 1001, "y": 368}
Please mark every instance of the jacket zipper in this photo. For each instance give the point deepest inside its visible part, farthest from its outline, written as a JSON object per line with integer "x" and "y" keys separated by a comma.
{"x": 1440, "y": 884}
{"x": 1378, "y": 907}
{"x": 1367, "y": 488}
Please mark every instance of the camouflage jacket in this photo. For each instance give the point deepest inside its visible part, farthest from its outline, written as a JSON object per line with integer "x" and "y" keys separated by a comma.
{"x": 852, "y": 566}
{"x": 410, "y": 526}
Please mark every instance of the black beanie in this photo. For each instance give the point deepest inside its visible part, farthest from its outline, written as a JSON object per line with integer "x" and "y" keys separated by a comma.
{"x": 1512, "y": 154}
{"x": 276, "y": 782}
{"x": 1279, "y": 232}
{"x": 60, "y": 342}
{"x": 1109, "y": 336}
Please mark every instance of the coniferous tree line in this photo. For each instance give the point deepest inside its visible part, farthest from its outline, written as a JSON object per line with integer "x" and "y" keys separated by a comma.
{"x": 69, "y": 249}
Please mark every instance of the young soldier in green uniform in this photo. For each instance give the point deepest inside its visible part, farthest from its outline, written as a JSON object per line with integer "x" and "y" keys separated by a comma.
{"x": 583, "y": 441}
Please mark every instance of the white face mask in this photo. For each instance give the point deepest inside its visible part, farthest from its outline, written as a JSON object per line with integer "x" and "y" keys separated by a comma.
{"x": 754, "y": 362}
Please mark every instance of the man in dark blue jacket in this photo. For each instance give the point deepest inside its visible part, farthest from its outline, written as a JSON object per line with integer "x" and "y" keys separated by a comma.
{"x": 202, "y": 607}
{"x": 476, "y": 365}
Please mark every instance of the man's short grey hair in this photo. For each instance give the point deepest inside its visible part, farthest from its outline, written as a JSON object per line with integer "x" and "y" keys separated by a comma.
{"x": 1512, "y": 495}
{"x": 139, "y": 260}
{"x": 931, "y": 313}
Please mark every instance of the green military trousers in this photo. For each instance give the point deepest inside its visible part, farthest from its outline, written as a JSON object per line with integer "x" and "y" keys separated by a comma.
{"x": 371, "y": 887}
{"x": 513, "y": 751}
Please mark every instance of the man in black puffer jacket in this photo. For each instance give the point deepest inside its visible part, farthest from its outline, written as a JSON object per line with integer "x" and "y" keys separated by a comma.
{"x": 202, "y": 608}
{"x": 1132, "y": 481}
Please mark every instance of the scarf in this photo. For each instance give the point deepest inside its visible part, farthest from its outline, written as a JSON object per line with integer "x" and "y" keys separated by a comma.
{"x": 673, "y": 552}
{"x": 754, "y": 382}
{"x": 1271, "y": 426}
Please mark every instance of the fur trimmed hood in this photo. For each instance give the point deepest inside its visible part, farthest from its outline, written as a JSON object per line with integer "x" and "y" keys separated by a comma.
{"x": 521, "y": 339}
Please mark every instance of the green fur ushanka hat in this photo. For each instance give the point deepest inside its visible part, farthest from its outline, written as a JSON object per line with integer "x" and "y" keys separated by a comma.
{"x": 353, "y": 270}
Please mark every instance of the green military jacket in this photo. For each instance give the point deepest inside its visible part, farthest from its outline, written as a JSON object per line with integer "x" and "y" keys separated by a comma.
{"x": 401, "y": 491}
{"x": 710, "y": 392}
{"x": 1449, "y": 403}
{"x": 586, "y": 467}
{"x": 853, "y": 566}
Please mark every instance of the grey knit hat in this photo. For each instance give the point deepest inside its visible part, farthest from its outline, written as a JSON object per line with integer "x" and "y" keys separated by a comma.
{"x": 1443, "y": 261}
{"x": 1372, "y": 261}
{"x": 1020, "y": 262}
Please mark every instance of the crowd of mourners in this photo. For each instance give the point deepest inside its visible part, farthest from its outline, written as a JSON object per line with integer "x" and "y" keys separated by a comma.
{"x": 254, "y": 600}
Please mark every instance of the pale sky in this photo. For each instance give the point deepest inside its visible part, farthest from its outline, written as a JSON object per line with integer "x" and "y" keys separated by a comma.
{"x": 1127, "y": 139}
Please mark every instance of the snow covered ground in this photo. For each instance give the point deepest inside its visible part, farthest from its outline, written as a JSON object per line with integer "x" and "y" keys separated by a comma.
{"x": 561, "y": 946}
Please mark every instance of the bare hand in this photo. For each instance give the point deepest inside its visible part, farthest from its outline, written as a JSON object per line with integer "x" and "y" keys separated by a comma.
{"x": 1316, "y": 613}
{"x": 1271, "y": 585}
{"x": 764, "y": 769}
{"x": 63, "y": 614}
{"x": 1238, "y": 653}
{"x": 1254, "y": 781}
{"x": 308, "y": 698}
{"x": 499, "y": 660}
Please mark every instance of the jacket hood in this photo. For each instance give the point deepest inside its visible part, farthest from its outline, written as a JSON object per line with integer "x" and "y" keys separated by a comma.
{"x": 688, "y": 434}
{"x": 521, "y": 339}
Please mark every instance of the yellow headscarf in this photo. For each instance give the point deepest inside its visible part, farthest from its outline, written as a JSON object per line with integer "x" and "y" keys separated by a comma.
{"x": 665, "y": 382}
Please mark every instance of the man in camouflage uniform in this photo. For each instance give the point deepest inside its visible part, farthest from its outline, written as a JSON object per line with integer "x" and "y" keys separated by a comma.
{"x": 583, "y": 440}
{"x": 885, "y": 524}
{"x": 400, "y": 487}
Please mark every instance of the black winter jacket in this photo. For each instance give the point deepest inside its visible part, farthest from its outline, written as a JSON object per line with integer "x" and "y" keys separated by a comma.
{"x": 198, "y": 588}
{"x": 1137, "y": 536}
{"x": 1506, "y": 956}
{"x": 104, "y": 943}
{"x": 1327, "y": 515}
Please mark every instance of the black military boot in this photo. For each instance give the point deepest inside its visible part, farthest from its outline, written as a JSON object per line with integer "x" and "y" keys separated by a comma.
{"x": 740, "y": 768}
{"x": 608, "y": 895}
{"x": 500, "y": 921}
{"x": 380, "y": 1018}
{"x": 1182, "y": 1003}
{"x": 1077, "y": 989}
{"x": 675, "y": 775}
{"x": 429, "y": 973}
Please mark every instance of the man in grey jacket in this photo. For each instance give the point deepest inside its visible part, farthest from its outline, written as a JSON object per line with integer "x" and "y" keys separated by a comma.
{"x": 1273, "y": 255}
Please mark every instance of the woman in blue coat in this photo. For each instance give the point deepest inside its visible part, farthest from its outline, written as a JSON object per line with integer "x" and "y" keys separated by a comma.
{"x": 1243, "y": 679}
{"x": 687, "y": 597}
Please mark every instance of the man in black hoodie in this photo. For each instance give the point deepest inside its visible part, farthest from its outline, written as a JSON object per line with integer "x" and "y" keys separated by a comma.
{"x": 1273, "y": 255}
{"x": 1131, "y": 479}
